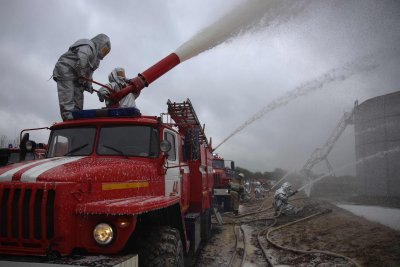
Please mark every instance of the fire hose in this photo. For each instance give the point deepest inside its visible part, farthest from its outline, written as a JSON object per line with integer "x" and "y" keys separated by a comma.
{"x": 236, "y": 244}
{"x": 274, "y": 218}
{"x": 259, "y": 210}
{"x": 103, "y": 85}
{"x": 248, "y": 214}
{"x": 261, "y": 232}
{"x": 299, "y": 250}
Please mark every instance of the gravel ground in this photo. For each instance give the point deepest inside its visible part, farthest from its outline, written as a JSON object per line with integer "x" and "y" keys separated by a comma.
{"x": 338, "y": 231}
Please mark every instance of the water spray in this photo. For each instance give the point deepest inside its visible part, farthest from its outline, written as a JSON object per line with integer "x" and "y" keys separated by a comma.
{"x": 249, "y": 16}
{"x": 280, "y": 180}
{"x": 380, "y": 154}
{"x": 334, "y": 75}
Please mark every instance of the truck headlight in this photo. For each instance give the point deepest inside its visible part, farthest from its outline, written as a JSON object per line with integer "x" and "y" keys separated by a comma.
{"x": 103, "y": 233}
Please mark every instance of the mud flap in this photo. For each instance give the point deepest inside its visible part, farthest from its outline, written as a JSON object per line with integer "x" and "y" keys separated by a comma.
{"x": 218, "y": 216}
{"x": 193, "y": 226}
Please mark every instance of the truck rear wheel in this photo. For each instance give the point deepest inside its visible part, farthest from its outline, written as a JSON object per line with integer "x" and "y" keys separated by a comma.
{"x": 161, "y": 246}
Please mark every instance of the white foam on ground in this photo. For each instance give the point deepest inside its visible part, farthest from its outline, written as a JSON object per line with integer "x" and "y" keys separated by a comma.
{"x": 386, "y": 216}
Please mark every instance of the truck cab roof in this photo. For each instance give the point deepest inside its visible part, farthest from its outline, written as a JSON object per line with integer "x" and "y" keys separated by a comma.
{"x": 107, "y": 116}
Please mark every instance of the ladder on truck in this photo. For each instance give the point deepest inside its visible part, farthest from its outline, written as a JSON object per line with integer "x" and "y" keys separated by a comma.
{"x": 185, "y": 117}
{"x": 321, "y": 154}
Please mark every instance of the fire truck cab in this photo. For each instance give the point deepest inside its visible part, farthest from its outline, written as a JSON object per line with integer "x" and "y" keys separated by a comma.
{"x": 112, "y": 181}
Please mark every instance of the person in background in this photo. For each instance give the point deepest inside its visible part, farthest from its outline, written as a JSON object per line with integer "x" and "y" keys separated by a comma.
{"x": 235, "y": 192}
{"x": 117, "y": 81}
{"x": 74, "y": 67}
{"x": 259, "y": 191}
{"x": 281, "y": 200}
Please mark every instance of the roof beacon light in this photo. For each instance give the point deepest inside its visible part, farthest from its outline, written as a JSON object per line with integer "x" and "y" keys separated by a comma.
{"x": 107, "y": 112}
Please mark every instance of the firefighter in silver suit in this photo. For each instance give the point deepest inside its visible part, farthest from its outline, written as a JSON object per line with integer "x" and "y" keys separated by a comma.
{"x": 281, "y": 200}
{"x": 117, "y": 81}
{"x": 80, "y": 61}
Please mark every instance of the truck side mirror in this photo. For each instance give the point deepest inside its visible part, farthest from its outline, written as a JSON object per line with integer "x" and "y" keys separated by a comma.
{"x": 22, "y": 147}
{"x": 165, "y": 146}
{"x": 232, "y": 165}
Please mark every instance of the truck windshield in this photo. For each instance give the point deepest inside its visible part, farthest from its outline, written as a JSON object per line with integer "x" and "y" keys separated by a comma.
{"x": 132, "y": 140}
{"x": 218, "y": 164}
{"x": 77, "y": 141}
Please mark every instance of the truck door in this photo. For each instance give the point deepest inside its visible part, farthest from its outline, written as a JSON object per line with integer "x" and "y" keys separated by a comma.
{"x": 172, "y": 177}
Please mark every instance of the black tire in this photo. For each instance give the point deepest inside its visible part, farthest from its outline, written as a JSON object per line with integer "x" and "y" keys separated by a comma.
{"x": 161, "y": 246}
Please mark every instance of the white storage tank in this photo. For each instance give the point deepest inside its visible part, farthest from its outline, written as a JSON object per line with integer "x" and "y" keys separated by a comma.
{"x": 377, "y": 132}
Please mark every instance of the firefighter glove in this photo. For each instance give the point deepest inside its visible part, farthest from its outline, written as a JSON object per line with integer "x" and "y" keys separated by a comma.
{"x": 103, "y": 94}
{"x": 82, "y": 81}
{"x": 88, "y": 87}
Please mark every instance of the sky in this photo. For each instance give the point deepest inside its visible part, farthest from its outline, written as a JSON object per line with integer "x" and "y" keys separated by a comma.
{"x": 278, "y": 56}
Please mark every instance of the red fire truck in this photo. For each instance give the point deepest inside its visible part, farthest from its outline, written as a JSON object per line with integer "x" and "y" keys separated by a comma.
{"x": 112, "y": 181}
{"x": 27, "y": 150}
{"x": 222, "y": 182}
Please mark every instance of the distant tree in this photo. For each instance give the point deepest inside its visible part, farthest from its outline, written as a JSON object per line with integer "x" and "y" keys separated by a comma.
{"x": 256, "y": 175}
{"x": 279, "y": 173}
{"x": 268, "y": 175}
{"x": 3, "y": 141}
{"x": 246, "y": 172}
{"x": 15, "y": 142}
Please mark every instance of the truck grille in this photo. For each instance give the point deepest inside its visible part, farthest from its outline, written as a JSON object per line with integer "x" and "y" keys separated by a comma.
{"x": 26, "y": 214}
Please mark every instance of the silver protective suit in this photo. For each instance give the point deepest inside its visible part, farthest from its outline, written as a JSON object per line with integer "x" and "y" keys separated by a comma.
{"x": 81, "y": 60}
{"x": 281, "y": 200}
{"x": 116, "y": 83}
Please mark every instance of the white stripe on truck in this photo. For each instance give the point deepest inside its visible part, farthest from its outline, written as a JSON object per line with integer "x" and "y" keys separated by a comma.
{"x": 7, "y": 176}
{"x": 32, "y": 174}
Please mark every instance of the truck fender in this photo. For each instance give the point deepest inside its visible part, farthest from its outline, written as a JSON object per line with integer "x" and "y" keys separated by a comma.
{"x": 132, "y": 205}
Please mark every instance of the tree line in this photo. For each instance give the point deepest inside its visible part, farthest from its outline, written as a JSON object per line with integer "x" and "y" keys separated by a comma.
{"x": 5, "y": 141}
{"x": 274, "y": 175}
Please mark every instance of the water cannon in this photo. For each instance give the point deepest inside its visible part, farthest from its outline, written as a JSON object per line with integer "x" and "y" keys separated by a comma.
{"x": 147, "y": 77}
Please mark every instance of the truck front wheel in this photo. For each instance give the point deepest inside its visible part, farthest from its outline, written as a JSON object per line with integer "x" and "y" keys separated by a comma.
{"x": 161, "y": 246}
